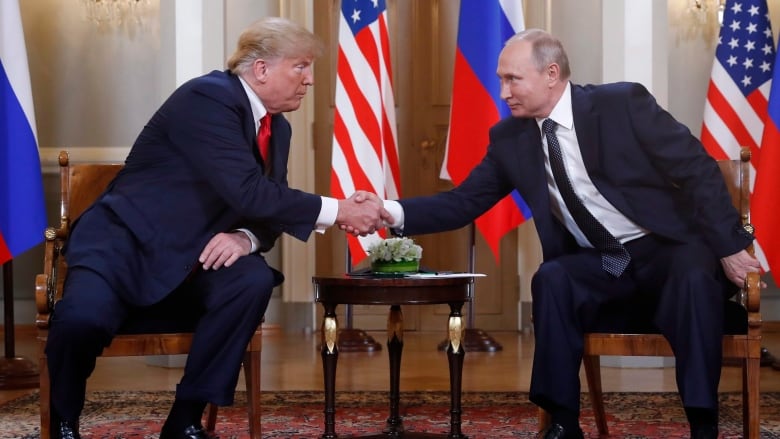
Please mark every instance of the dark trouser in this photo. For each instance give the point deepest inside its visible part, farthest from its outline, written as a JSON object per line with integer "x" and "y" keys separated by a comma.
{"x": 230, "y": 302}
{"x": 685, "y": 288}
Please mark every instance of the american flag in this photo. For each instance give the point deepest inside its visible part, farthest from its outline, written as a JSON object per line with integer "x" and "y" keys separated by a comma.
{"x": 736, "y": 106}
{"x": 483, "y": 28}
{"x": 365, "y": 152}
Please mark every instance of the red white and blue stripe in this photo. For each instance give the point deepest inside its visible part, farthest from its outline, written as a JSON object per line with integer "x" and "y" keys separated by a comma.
{"x": 483, "y": 28}
{"x": 22, "y": 214}
{"x": 365, "y": 152}
{"x": 765, "y": 202}
{"x": 737, "y": 97}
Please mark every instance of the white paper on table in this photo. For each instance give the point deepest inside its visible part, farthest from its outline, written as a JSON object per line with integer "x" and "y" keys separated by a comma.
{"x": 442, "y": 274}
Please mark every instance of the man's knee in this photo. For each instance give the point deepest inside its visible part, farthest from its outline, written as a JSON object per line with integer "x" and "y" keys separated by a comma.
{"x": 699, "y": 285}
{"x": 252, "y": 283}
{"x": 550, "y": 278}
{"x": 77, "y": 319}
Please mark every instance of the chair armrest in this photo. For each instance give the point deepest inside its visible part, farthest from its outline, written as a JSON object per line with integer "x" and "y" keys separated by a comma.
{"x": 752, "y": 302}
{"x": 48, "y": 284}
{"x": 752, "y": 292}
{"x": 42, "y": 301}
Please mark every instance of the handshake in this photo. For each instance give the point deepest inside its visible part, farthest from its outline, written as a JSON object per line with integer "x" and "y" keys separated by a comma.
{"x": 362, "y": 214}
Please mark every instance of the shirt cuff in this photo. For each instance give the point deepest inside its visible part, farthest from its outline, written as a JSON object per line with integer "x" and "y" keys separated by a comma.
{"x": 328, "y": 213}
{"x": 252, "y": 238}
{"x": 395, "y": 210}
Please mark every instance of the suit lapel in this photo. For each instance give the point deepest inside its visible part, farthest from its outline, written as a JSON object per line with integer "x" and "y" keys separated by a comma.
{"x": 586, "y": 122}
{"x": 250, "y": 134}
{"x": 530, "y": 179}
{"x": 279, "y": 148}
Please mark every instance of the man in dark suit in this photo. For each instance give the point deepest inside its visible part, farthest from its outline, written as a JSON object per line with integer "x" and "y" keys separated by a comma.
{"x": 184, "y": 224}
{"x": 627, "y": 206}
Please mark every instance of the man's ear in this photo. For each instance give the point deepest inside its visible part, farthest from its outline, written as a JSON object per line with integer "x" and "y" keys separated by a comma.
{"x": 260, "y": 69}
{"x": 553, "y": 73}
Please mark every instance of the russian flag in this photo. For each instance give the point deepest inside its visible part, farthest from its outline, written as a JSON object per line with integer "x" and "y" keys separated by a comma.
{"x": 22, "y": 211}
{"x": 765, "y": 201}
{"x": 483, "y": 28}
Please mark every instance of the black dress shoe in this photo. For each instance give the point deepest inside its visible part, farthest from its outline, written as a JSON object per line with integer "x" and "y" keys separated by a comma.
{"x": 65, "y": 430}
{"x": 556, "y": 431}
{"x": 189, "y": 432}
{"x": 767, "y": 358}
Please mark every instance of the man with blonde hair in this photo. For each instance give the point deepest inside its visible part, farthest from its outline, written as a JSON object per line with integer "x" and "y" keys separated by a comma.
{"x": 184, "y": 224}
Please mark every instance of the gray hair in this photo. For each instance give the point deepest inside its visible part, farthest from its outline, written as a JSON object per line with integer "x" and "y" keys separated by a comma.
{"x": 272, "y": 38}
{"x": 545, "y": 49}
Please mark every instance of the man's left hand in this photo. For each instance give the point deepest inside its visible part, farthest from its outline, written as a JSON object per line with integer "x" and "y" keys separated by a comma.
{"x": 738, "y": 265}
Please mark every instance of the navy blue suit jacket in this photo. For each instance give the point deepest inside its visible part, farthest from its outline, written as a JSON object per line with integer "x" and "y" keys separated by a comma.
{"x": 648, "y": 165}
{"x": 193, "y": 172}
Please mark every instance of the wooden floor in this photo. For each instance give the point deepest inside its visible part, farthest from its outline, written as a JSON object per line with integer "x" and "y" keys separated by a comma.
{"x": 291, "y": 361}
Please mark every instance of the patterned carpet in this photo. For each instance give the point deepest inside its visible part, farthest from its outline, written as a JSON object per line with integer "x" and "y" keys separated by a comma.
{"x": 486, "y": 415}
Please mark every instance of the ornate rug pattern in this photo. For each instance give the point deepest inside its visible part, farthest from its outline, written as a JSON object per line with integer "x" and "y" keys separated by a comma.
{"x": 486, "y": 415}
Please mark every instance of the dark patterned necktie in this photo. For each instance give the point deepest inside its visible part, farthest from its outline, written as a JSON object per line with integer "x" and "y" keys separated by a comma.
{"x": 614, "y": 257}
{"x": 264, "y": 136}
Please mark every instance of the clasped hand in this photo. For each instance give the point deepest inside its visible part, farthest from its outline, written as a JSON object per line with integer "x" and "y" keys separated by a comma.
{"x": 362, "y": 214}
{"x": 738, "y": 265}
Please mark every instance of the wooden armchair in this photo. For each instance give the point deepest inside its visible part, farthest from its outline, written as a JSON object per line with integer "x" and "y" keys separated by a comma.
{"x": 80, "y": 185}
{"x": 741, "y": 343}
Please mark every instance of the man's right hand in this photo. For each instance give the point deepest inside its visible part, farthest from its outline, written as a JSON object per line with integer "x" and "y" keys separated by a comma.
{"x": 362, "y": 214}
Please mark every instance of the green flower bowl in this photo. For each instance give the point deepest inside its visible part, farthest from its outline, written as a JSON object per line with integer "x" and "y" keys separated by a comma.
{"x": 395, "y": 266}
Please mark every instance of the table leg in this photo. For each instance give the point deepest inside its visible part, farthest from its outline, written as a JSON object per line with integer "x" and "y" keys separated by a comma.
{"x": 395, "y": 346}
{"x": 330, "y": 355}
{"x": 455, "y": 353}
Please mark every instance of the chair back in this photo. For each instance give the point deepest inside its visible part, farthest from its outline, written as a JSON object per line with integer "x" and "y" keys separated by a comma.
{"x": 81, "y": 184}
{"x": 736, "y": 174}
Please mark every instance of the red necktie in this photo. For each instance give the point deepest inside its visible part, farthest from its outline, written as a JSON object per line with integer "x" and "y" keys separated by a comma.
{"x": 264, "y": 136}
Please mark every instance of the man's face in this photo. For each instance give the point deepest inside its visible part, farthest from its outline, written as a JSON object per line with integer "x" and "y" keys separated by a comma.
{"x": 286, "y": 83}
{"x": 525, "y": 89}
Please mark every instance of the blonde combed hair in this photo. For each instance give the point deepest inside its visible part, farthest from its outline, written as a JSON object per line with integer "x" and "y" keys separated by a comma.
{"x": 272, "y": 38}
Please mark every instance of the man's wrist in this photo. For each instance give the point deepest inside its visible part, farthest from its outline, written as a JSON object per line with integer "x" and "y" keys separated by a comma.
{"x": 253, "y": 241}
{"x": 395, "y": 210}
{"x": 328, "y": 214}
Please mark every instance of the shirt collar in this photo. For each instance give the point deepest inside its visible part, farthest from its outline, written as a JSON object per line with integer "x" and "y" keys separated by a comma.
{"x": 561, "y": 113}
{"x": 258, "y": 110}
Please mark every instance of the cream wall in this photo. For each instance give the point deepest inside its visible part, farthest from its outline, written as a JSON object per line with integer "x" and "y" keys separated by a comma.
{"x": 94, "y": 87}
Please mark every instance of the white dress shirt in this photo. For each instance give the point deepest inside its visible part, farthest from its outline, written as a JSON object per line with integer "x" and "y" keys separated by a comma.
{"x": 615, "y": 222}
{"x": 621, "y": 227}
{"x": 330, "y": 206}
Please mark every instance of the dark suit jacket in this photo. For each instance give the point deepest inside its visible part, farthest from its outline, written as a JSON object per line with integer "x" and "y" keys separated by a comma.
{"x": 193, "y": 172}
{"x": 648, "y": 165}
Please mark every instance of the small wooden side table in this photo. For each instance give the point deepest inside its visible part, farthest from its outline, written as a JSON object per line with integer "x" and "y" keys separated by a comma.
{"x": 334, "y": 290}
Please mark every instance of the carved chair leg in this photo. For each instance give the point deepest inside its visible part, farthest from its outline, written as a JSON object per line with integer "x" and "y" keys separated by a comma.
{"x": 750, "y": 397}
{"x": 211, "y": 418}
{"x": 44, "y": 394}
{"x": 592, "y": 365}
{"x": 252, "y": 377}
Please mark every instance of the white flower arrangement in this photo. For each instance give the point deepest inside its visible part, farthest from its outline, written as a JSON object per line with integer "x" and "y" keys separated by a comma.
{"x": 395, "y": 250}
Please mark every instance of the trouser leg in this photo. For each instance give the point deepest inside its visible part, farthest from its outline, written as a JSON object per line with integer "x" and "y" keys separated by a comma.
{"x": 564, "y": 303}
{"x": 84, "y": 322}
{"x": 691, "y": 316}
{"x": 234, "y": 300}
